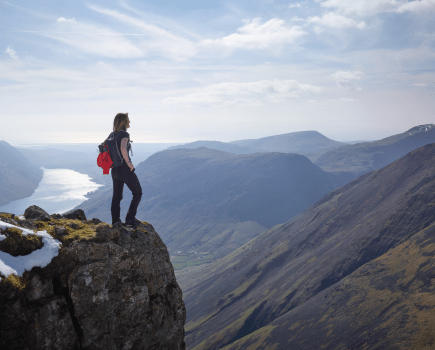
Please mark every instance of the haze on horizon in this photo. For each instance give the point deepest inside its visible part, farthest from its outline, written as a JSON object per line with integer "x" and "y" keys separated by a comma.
{"x": 215, "y": 70}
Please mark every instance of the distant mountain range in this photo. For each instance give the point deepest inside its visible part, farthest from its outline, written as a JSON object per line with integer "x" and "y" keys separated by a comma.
{"x": 354, "y": 271}
{"x": 218, "y": 145}
{"x": 18, "y": 177}
{"x": 312, "y": 144}
{"x": 363, "y": 157}
{"x": 211, "y": 202}
{"x": 345, "y": 162}
{"x": 301, "y": 142}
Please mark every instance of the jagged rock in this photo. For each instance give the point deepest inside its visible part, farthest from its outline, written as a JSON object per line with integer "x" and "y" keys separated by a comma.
{"x": 30, "y": 224}
{"x": 56, "y": 216}
{"x": 37, "y": 213}
{"x": 96, "y": 221}
{"x": 106, "y": 289}
{"x": 78, "y": 214}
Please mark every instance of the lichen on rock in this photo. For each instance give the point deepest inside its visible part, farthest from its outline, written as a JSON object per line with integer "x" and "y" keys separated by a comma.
{"x": 106, "y": 289}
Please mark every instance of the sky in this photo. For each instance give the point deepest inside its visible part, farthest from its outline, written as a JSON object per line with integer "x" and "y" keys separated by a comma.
{"x": 214, "y": 70}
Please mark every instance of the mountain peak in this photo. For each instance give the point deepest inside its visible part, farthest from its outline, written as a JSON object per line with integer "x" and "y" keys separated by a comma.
{"x": 422, "y": 128}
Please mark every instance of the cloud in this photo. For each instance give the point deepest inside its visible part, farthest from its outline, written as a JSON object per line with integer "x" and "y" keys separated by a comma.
{"x": 295, "y": 4}
{"x": 417, "y": 6}
{"x": 254, "y": 35}
{"x": 93, "y": 38}
{"x": 157, "y": 39}
{"x": 368, "y": 8}
{"x": 62, "y": 19}
{"x": 334, "y": 20}
{"x": 11, "y": 52}
{"x": 346, "y": 79}
{"x": 252, "y": 93}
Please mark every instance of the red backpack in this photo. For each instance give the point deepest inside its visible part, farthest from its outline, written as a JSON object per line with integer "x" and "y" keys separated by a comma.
{"x": 104, "y": 161}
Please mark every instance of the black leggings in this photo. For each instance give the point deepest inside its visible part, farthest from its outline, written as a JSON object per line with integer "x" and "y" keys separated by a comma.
{"x": 121, "y": 176}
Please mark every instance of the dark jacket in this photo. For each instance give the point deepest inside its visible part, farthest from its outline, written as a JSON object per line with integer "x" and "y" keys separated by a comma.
{"x": 121, "y": 134}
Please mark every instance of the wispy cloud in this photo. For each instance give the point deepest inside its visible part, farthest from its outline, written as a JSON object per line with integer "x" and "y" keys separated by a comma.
{"x": 257, "y": 35}
{"x": 334, "y": 20}
{"x": 367, "y": 8}
{"x": 417, "y": 6}
{"x": 257, "y": 92}
{"x": 347, "y": 78}
{"x": 92, "y": 38}
{"x": 295, "y": 4}
{"x": 159, "y": 40}
{"x": 12, "y": 53}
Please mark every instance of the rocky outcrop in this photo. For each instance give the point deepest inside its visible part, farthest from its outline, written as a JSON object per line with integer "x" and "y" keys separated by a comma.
{"x": 106, "y": 289}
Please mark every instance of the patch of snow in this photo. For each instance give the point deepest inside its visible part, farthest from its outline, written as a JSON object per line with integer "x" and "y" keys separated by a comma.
{"x": 21, "y": 217}
{"x": 16, "y": 265}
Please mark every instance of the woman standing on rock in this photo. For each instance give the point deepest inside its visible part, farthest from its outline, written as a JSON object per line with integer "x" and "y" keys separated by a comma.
{"x": 124, "y": 174}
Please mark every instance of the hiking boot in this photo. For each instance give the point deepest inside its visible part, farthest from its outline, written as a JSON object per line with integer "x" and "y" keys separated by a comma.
{"x": 117, "y": 224}
{"x": 133, "y": 224}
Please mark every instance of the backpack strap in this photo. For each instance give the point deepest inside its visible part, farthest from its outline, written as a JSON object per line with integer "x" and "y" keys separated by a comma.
{"x": 117, "y": 149}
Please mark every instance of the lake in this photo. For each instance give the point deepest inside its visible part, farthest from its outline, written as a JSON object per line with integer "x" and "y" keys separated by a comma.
{"x": 60, "y": 190}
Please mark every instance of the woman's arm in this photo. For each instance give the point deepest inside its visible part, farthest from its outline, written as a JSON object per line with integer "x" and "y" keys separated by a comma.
{"x": 125, "y": 153}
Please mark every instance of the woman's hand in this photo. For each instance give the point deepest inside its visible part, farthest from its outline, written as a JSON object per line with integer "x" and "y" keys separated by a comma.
{"x": 130, "y": 165}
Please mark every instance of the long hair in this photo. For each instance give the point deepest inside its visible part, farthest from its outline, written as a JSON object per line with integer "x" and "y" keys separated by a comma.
{"x": 120, "y": 122}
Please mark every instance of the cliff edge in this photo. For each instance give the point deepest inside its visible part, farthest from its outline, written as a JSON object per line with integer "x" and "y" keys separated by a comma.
{"x": 101, "y": 288}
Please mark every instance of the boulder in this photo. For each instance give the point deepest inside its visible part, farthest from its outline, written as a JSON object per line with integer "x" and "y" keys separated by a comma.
{"x": 36, "y": 213}
{"x": 78, "y": 214}
{"x": 60, "y": 231}
{"x": 106, "y": 289}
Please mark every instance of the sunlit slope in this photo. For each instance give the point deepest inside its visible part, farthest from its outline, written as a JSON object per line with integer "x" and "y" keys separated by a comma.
{"x": 288, "y": 265}
{"x": 203, "y": 200}
{"x": 388, "y": 303}
{"x": 18, "y": 177}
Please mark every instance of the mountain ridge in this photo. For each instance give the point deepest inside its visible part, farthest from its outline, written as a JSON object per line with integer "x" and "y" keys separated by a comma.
{"x": 295, "y": 142}
{"x": 367, "y": 156}
{"x": 18, "y": 177}
{"x": 218, "y": 198}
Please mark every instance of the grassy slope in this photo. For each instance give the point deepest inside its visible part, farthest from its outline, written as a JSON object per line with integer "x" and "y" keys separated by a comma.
{"x": 387, "y": 303}
{"x": 288, "y": 265}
